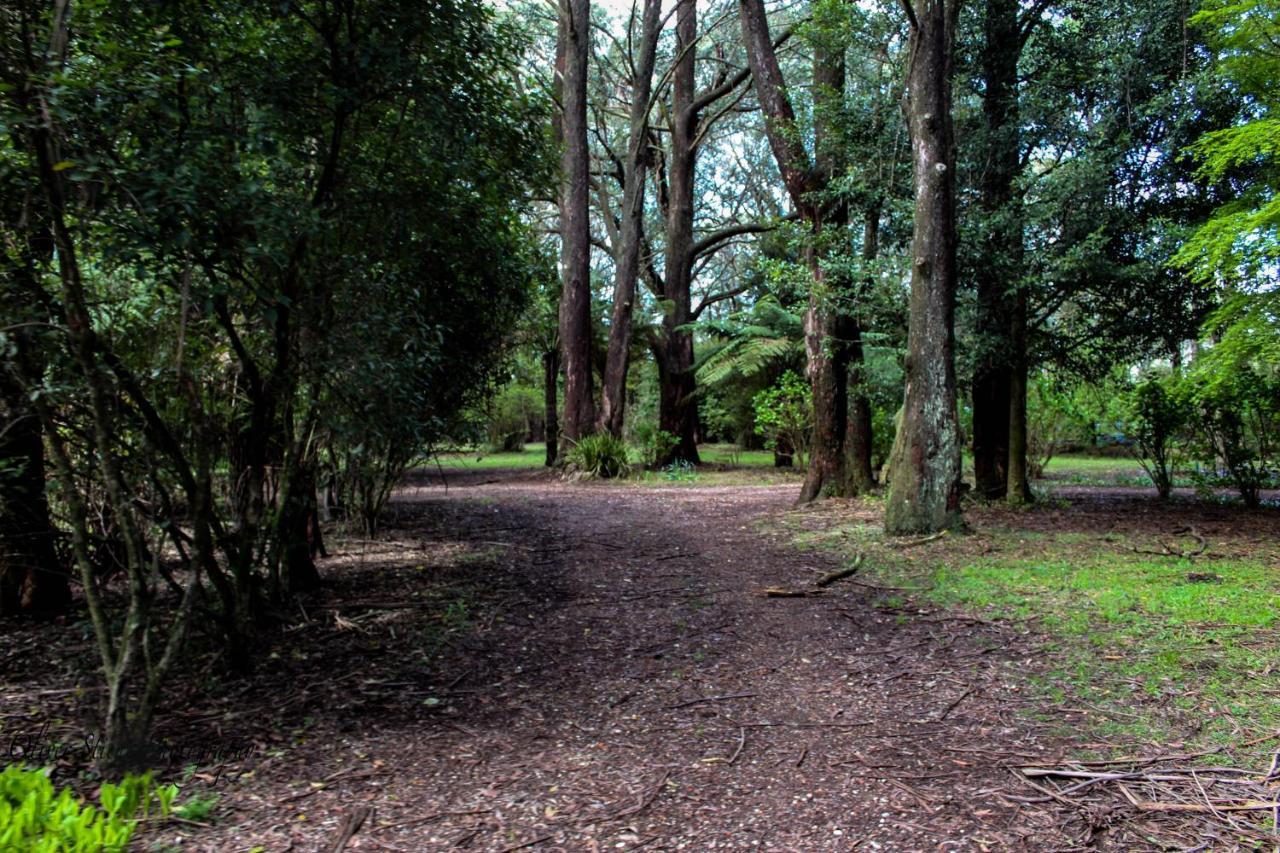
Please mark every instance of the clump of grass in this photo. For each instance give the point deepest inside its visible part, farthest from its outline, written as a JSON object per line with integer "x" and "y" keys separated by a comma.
{"x": 601, "y": 455}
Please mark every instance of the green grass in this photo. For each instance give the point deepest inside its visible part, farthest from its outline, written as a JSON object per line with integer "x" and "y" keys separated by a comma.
{"x": 1154, "y": 656}
{"x": 533, "y": 456}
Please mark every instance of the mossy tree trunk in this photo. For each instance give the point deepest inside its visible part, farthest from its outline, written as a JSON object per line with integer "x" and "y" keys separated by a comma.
{"x": 924, "y": 478}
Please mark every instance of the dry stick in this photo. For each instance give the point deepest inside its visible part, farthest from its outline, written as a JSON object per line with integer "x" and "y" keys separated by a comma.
{"x": 742, "y": 741}
{"x": 712, "y": 699}
{"x": 350, "y": 826}
{"x": 832, "y": 577}
{"x": 912, "y": 543}
{"x": 947, "y": 712}
{"x": 416, "y": 821}
{"x": 529, "y": 843}
{"x": 631, "y": 810}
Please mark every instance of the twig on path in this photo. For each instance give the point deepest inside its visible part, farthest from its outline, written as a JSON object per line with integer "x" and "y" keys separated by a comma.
{"x": 783, "y": 592}
{"x": 832, "y": 577}
{"x": 742, "y": 741}
{"x": 925, "y": 540}
{"x": 417, "y": 821}
{"x": 350, "y": 826}
{"x": 529, "y": 843}
{"x": 947, "y": 711}
{"x": 347, "y": 775}
{"x": 703, "y": 699}
{"x": 630, "y": 810}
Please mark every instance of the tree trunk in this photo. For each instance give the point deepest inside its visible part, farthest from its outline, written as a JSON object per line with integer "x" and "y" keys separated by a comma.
{"x": 627, "y": 263}
{"x": 827, "y": 333}
{"x": 860, "y": 438}
{"x": 1019, "y": 482}
{"x": 924, "y": 487}
{"x": 551, "y": 415}
{"x": 575, "y": 255}
{"x": 31, "y": 578}
{"x": 1003, "y": 259}
{"x": 677, "y": 408}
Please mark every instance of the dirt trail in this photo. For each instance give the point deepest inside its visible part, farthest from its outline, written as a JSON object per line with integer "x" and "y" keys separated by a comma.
{"x": 629, "y": 687}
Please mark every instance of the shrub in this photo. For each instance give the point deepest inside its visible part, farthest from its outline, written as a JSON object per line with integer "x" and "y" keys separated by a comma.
{"x": 601, "y": 455}
{"x": 35, "y": 819}
{"x": 1157, "y": 413}
{"x": 515, "y": 414}
{"x": 655, "y": 444}
{"x": 1237, "y": 419}
{"x": 784, "y": 415}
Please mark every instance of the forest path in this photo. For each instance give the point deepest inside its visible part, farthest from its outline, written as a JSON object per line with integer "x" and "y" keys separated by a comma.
{"x": 628, "y": 686}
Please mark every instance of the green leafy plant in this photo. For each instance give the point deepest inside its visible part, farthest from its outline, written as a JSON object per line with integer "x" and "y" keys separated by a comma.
{"x": 36, "y": 819}
{"x": 1157, "y": 414}
{"x": 784, "y": 415}
{"x": 601, "y": 455}
{"x": 655, "y": 444}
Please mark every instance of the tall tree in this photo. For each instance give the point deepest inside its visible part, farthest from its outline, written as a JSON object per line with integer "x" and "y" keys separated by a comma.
{"x": 829, "y": 331}
{"x": 924, "y": 467}
{"x": 631, "y": 227}
{"x": 999, "y": 279}
{"x": 574, "y": 48}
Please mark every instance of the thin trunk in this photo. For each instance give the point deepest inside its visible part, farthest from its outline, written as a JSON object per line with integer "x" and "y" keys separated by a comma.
{"x": 627, "y": 264}
{"x": 575, "y": 256}
{"x": 860, "y": 438}
{"x": 1003, "y": 257}
{"x": 31, "y": 578}
{"x": 1019, "y": 481}
{"x": 677, "y": 408}
{"x": 924, "y": 479}
{"x": 551, "y": 414}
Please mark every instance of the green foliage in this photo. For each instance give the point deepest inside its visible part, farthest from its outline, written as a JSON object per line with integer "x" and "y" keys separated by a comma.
{"x": 36, "y": 819}
{"x": 1157, "y": 413}
{"x": 514, "y": 413}
{"x": 601, "y": 455}
{"x": 1241, "y": 242}
{"x": 784, "y": 415}
{"x": 654, "y": 443}
{"x": 1236, "y": 402}
{"x": 1054, "y": 414}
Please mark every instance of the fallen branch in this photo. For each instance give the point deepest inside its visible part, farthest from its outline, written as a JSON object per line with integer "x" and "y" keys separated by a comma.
{"x": 712, "y": 699}
{"x": 831, "y": 577}
{"x": 924, "y": 540}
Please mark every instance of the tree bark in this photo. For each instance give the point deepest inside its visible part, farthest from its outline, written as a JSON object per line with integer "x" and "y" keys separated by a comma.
{"x": 677, "y": 408}
{"x": 924, "y": 487}
{"x": 627, "y": 262}
{"x": 32, "y": 580}
{"x": 999, "y": 277}
{"x": 1019, "y": 483}
{"x": 827, "y": 333}
{"x": 860, "y": 438}
{"x": 551, "y": 414}
{"x": 575, "y": 255}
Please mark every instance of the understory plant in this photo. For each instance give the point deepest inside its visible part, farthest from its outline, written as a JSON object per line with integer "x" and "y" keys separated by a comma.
{"x": 34, "y": 818}
{"x": 601, "y": 455}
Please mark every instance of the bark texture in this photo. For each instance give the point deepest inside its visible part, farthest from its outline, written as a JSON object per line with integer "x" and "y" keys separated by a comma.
{"x": 924, "y": 468}
{"x": 1002, "y": 248}
{"x": 677, "y": 408}
{"x": 832, "y": 335}
{"x": 575, "y": 254}
{"x": 631, "y": 226}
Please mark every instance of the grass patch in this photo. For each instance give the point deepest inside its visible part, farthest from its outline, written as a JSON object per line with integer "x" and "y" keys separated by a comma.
{"x": 1155, "y": 654}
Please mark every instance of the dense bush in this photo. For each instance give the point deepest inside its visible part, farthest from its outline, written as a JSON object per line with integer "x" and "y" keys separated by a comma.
{"x": 600, "y": 455}
{"x": 516, "y": 412}
{"x": 784, "y": 415}
{"x": 1157, "y": 416}
{"x": 654, "y": 443}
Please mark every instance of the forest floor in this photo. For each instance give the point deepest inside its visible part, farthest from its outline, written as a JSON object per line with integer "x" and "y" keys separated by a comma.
{"x": 524, "y": 663}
